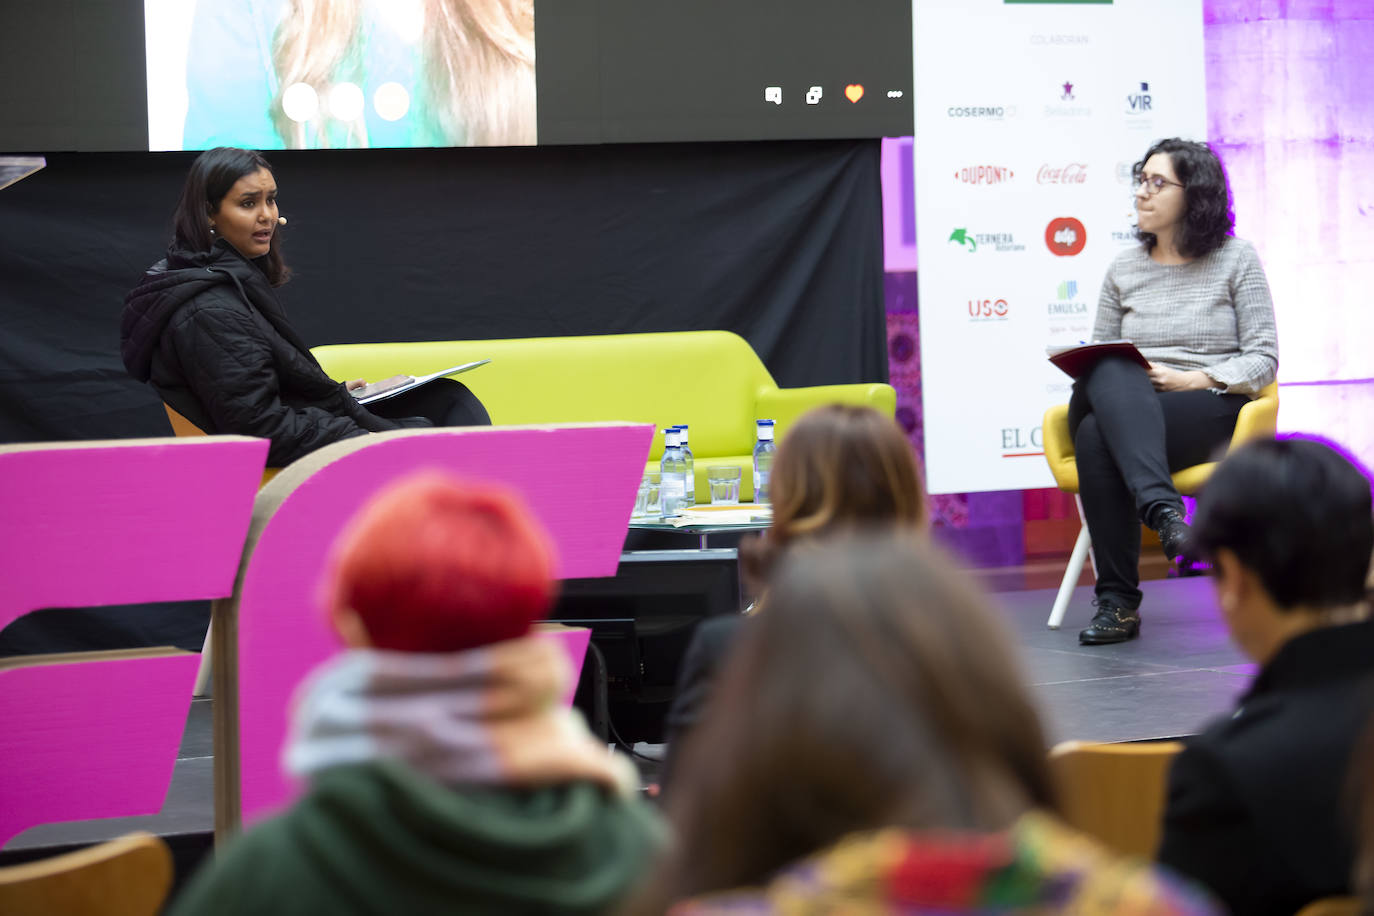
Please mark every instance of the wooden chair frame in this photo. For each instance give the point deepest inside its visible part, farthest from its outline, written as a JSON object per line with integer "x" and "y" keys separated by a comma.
{"x": 1115, "y": 792}
{"x": 129, "y": 875}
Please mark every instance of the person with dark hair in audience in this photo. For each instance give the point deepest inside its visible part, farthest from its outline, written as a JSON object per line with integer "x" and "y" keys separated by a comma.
{"x": 1361, "y": 785}
{"x": 1256, "y": 809}
{"x": 839, "y": 466}
{"x": 1194, "y": 300}
{"x": 206, "y": 328}
{"x": 870, "y": 748}
{"x": 445, "y": 771}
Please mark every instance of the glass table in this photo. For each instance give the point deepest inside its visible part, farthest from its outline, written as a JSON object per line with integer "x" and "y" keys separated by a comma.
{"x": 698, "y": 522}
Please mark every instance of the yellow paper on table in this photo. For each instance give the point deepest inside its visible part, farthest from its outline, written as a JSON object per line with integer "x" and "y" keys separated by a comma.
{"x": 723, "y": 515}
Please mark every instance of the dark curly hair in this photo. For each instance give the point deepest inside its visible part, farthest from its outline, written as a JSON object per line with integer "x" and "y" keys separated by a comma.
{"x": 1207, "y": 218}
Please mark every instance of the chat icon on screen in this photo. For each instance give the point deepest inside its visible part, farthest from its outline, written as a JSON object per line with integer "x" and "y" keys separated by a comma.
{"x": 773, "y": 94}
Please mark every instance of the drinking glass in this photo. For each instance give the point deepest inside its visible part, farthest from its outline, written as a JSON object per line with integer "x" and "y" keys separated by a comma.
{"x": 724, "y": 483}
{"x": 646, "y": 500}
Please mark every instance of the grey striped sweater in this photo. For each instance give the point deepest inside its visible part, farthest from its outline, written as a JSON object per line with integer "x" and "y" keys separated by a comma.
{"x": 1213, "y": 313}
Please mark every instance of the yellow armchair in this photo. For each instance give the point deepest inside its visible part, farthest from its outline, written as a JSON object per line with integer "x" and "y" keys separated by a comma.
{"x": 711, "y": 380}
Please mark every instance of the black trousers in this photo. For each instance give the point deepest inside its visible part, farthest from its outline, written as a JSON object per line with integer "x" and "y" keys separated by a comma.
{"x": 1127, "y": 439}
{"x": 444, "y": 402}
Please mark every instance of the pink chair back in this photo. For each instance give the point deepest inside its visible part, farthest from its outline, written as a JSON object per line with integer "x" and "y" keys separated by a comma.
{"x": 580, "y": 481}
{"x": 90, "y": 739}
{"x": 99, "y": 523}
{"x": 123, "y": 522}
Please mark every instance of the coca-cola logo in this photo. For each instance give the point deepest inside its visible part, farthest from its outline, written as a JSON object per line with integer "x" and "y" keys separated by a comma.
{"x": 1073, "y": 173}
{"x": 1065, "y": 236}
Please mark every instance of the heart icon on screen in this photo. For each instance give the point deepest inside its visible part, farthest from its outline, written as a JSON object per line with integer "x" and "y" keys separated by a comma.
{"x": 853, "y": 92}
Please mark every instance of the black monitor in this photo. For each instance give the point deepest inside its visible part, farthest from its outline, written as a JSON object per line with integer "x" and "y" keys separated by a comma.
{"x": 642, "y": 620}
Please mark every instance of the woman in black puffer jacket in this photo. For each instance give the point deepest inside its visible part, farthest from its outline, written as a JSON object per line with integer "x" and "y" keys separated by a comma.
{"x": 206, "y": 329}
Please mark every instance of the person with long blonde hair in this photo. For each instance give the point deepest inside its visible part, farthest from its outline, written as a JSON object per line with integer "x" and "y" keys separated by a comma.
{"x": 840, "y": 467}
{"x": 312, "y": 74}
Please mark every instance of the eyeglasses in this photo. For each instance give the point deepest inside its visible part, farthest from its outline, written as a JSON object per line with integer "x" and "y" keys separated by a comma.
{"x": 1153, "y": 184}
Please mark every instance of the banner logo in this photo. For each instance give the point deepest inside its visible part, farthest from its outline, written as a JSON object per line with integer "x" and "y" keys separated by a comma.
{"x": 984, "y": 174}
{"x": 995, "y": 241}
{"x": 1068, "y": 303}
{"x": 1073, "y": 173}
{"x": 988, "y": 309}
{"x": 1022, "y": 442}
{"x": 1138, "y": 103}
{"x": 1065, "y": 236}
{"x": 1067, "y": 93}
{"x": 1060, "y": 39}
{"x": 986, "y": 113}
{"x": 1067, "y": 315}
{"x": 1127, "y": 236}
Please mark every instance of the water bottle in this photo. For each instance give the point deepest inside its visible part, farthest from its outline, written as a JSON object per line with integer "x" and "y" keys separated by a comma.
{"x": 690, "y": 471}
{"x": 672, "y": 483}
{"x": 763, "y": 460}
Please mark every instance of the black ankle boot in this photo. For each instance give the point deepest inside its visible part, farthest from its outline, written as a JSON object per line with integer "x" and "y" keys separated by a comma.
{"x": 1110, "y": 624}
{"x": 1173, "y": 534}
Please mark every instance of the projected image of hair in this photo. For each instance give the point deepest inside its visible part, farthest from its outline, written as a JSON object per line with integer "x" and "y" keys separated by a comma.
{"x": 328, "y": 74}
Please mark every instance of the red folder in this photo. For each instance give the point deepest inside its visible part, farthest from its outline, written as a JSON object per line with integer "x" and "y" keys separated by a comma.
{"x": 1075, "y": 361}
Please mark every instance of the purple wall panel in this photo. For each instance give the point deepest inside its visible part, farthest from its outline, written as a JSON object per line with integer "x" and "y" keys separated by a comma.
{"x": 1291, "y": 113}
{"x": 899, "y": 205}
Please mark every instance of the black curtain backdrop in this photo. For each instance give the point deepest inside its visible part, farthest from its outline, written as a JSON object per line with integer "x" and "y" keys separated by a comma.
{"x": 779, "y": 242}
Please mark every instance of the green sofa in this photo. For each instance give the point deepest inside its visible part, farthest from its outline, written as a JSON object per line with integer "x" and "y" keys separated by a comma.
{"x": 711, "y": 380}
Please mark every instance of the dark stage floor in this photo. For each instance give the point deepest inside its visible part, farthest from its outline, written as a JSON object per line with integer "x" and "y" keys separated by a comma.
{"x": 1181, "y": 673}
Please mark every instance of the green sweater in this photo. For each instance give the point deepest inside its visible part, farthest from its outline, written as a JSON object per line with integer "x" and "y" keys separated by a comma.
{"x": 382, "y": 838}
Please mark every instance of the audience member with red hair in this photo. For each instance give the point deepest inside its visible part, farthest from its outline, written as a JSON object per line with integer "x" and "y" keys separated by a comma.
{"x": 445, "y": 773}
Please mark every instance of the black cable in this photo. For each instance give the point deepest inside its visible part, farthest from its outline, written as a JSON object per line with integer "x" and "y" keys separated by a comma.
{"x": 601, "y": 705}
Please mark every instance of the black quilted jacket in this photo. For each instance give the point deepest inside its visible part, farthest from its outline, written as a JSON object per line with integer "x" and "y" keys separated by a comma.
{"x": 206, "y": 329}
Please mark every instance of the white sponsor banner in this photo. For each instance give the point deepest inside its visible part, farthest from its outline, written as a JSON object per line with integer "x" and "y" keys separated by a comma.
{"x": 1029, "y": 116}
